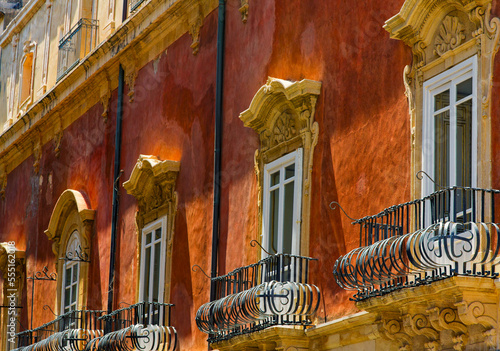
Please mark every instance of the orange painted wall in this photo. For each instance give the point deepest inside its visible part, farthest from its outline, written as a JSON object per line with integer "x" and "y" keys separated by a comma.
{"x": 362, "y": 159}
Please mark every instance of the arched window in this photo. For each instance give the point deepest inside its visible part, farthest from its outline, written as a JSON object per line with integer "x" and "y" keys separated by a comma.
{"x": 71, "y": 275}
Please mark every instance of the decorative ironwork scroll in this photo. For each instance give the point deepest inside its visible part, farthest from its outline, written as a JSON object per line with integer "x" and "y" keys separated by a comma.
{"x": 273, "y": 291}
{"x": 451, "y": 232}
{"x": 78, "y": 255}
{"x": 40, "y": 275}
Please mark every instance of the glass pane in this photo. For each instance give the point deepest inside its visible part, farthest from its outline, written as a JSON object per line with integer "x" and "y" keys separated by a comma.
{"x": 275, "y": 178}
{"x": 148, "y": 238}
{"x": 441, "y": 149}
{"x": 464, "y": 143}
{"x": 288, "y": 218}
{"x": 272, "y": 244}
{"x": 158, "y": 234}
{"x": 156, "y": 277}
{"x": 147, "y": 270}
{"x": 441, "y": 100}
{"x": 290, "y": 171}
{"x": 464, "y": 89}
{"x": 73, "y": 294}
{"x": 67, "y": 297}
{"x": 75, "y": 273}
{"x": 67, "y": 278}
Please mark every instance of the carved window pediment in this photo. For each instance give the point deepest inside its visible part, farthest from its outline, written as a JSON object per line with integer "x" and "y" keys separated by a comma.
{"x": 152, "y": 183}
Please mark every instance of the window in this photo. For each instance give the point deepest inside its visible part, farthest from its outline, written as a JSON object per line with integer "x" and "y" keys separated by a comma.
{"x": 153, "y": 261}
{"x": 282, "y": 204}
{"x": 27, "y": 77}
{"x": 450, "y": 127}
{"x": 71, "y": 276}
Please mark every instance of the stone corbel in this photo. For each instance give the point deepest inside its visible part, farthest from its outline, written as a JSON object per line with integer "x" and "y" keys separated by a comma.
{"x": 37, "y": 151}
{"x": 244, "y": 10}
{"x": 392, "y": 328}
{"x": 478, "y": 313}
{"x": 58, "y": 133}
{"x": 131, "y": 70}
{"x": 105, "y": 95}
{"x": 419, "y": 324}
{"x": 194, "y": 31}
{"x": 447, "y": 319}
{"x": 432, "y": 346}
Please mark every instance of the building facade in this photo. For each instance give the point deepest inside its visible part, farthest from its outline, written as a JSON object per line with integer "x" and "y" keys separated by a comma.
{"x": 183, "y": 173}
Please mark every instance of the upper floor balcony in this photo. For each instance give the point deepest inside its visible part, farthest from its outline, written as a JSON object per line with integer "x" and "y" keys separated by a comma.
{"x": 70, "y": 331}
{"x": 451, "y": 232}
{"x": 273, "y": 291}
{"x": 142, "y": 326}
{"x": 76, "y": 44}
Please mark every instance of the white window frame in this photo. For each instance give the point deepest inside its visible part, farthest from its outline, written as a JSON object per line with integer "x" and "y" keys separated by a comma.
{"x": 71, "y": 264}
{"x": 151, "y": 227}
{"x": 448, "y": 80}
{"x": 280, "y": 164}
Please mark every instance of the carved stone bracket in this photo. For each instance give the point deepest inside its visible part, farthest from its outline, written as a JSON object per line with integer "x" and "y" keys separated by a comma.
{"x": 282, "y": 114}
{"x": 393, "y": 329}
{"x": 478, "y": 313}
{"x": 37, "y": 152}
{"x": 244, "y": 10}
{"x": 419, "y": 324}
{"x": 58, "y": 134}
{"x": 194, "y": 31}
{"x": 131, "y": 68}
{"x": 105, "y": 95}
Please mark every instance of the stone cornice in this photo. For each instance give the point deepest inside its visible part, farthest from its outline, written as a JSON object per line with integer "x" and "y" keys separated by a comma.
{"x": 20, "y": 21}
{"x": 146, "y": 32}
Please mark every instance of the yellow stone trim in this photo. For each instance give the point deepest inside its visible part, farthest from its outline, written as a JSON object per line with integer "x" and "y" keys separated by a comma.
{"x": 295, "y": 103}
{"x": 71, "y": 212}
{"x": 420, "y": 24}
{"x": 152, "y": 183}
{"x": 79, "y": 90}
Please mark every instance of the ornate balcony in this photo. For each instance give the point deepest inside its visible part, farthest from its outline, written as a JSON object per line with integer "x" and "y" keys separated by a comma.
{"x": 70, "y": 331}
{"x": 273, "y": 291}
{"x": 451, "y": 232}
{"x": 76, "y": 44}
{"x": 143, "y": 326}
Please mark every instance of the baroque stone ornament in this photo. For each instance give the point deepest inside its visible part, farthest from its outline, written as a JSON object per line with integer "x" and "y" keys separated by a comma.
{"x": 282, "y": 114}
{"x": 194, "y": 31}
{"x": 451, "y": 34}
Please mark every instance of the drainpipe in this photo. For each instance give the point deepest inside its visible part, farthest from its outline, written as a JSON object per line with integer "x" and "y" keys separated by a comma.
{"x": 116, "y": 177}
{"x": 218, "y": 143}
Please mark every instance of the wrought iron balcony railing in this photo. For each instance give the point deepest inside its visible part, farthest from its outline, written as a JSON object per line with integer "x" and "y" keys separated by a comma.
{"x": 143, "y": 326}
{"x": 450, "y": 232}
{"x": 76, "y": 44}
{"x": 70, "y": 331}
{"x": 273, "y": 291}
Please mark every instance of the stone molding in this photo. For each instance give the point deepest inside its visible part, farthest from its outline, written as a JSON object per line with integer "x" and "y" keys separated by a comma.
{"x": 70, "y": 201}
{"x": 282, "y": 114}
{"x": 152, "y": 183}
{"x": 442, "y": 33}
{"x": 160, "y": 29}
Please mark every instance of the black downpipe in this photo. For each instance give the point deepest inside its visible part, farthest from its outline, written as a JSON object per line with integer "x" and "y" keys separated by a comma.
{"x": 116, "y": 177}
{"x": 218, "y": 143}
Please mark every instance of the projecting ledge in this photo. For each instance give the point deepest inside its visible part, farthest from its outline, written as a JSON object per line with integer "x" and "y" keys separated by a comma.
{"x": 272, "y": 338}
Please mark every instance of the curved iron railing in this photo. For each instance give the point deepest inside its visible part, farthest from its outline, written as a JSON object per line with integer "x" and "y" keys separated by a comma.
{"x": 450, "y": 232}
{"x": 273, "y": 291}
{"x": 142, "y": 326}
{"x": 70, "y": 331}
